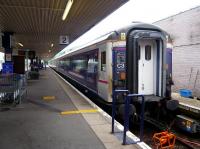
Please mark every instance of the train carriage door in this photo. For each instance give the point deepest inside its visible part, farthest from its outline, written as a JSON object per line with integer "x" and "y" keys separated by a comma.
{"x": 146, "y": 67}
{"x": 103, "y": 73}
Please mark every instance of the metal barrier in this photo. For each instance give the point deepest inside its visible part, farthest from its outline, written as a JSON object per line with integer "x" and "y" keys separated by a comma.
{"x": 115, "y": 92}
{"x": 126, "y": 113}
{"x": 12, "y": 87}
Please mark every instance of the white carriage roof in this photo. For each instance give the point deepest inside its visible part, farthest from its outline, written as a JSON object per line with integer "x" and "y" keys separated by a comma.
{"x": 73, "y": 47}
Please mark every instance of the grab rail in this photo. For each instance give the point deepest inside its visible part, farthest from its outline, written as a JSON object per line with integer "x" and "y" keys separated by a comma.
{"x": 126, "y": 122}
{"x": 115, "y": 92}
{"x": 126, "y": 113}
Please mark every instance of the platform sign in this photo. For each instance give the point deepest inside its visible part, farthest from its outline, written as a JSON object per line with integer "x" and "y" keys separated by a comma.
{"x": 64, "y": 40}
{"x": 7, "y": 67}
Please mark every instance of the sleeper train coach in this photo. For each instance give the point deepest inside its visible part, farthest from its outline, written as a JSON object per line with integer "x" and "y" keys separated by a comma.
{"x": 134, "y": 58}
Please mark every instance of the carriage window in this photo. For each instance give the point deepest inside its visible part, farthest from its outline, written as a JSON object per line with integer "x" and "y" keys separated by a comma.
{"x": 147, "y": 52}
{"x": 103, "y": 61}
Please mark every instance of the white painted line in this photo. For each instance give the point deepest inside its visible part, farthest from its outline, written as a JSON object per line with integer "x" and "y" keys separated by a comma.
{"x": 108, "y": 117}
{"x": 189, "y": 106}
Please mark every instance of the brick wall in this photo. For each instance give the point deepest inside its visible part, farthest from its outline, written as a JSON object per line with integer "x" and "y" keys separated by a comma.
{"x": 184, "y": 29}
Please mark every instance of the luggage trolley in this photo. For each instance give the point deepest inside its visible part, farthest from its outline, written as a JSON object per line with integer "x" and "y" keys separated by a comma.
{"x": 11, "y": 87}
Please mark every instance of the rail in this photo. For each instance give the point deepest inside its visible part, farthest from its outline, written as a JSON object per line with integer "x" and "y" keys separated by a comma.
{"x": 128, "y": 98}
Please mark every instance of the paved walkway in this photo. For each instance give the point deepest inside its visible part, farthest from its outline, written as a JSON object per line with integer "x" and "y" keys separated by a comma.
{"x": 38, "y": 124}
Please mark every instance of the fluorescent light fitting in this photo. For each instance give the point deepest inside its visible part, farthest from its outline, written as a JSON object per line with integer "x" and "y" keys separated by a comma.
{"x": 20, "y": 44}
{"x": 67, "y": 8}
{"x": 52, "y": 45}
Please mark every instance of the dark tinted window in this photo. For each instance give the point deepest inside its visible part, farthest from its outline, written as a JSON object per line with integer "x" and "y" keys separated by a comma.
{"x": 103, "y": 61}
{"x": 147, "y": 52}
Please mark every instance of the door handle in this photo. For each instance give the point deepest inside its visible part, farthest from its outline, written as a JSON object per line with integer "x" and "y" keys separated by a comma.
{"x": 142, "y": 86}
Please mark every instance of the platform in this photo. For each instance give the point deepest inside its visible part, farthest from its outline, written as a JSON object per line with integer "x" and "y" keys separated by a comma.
{"x": 55, "y": 116}
{"x": 187, "y": 103}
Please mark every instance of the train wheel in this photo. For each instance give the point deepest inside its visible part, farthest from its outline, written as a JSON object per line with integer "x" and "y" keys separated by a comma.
{"x": 121, "y": 109}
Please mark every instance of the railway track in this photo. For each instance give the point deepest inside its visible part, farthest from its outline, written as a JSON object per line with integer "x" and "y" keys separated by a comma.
{"x": 183, "y": 140}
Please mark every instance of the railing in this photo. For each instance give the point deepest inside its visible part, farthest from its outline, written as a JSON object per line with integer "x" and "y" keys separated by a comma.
{"x": 128, "y": 98}
{"x": 115, "y": 92}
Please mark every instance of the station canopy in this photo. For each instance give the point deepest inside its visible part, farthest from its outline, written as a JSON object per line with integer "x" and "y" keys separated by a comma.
{"x": 37, "y": 24}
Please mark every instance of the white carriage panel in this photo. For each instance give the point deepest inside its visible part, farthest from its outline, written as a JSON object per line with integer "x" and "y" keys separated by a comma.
{"x": 102, "y": 84}
{"x": 109, "y": 69}
{"x": 119, "y": 44}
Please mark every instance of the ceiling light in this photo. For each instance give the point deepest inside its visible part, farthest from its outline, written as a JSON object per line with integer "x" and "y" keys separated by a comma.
{"x": 67, "y": 8}
{"x": 20, "y": 44}
{"x": 52, "y": 45}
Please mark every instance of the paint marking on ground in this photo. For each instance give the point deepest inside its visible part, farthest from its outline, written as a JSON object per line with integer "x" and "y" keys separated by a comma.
{"x": 79, "y": 111}
{"x": 44, "y": 77}
{"x": 48, "y": 98}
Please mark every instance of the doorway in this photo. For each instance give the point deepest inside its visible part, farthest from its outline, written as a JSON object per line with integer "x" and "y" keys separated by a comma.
{"x": 146, "y": 54}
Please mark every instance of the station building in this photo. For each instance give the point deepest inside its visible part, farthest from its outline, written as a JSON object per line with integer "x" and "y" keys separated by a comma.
{"x": 185, "y": 34}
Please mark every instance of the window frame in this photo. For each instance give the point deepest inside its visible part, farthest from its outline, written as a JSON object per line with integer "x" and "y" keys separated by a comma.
{"x": 103, "y": 61}
{"x": 147, "y": 51}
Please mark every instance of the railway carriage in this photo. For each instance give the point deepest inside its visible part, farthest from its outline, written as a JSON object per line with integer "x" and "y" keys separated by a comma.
{"x": 134, "y": 58}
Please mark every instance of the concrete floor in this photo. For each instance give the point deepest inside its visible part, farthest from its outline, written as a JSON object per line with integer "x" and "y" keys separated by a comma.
{"x": 37, "y": 124}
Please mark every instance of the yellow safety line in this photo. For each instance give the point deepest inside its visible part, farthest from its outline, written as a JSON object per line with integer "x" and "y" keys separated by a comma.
{"x": 79, "y": 111}
{"x": 48, "y": 98}
{"x": 44, "y": 77}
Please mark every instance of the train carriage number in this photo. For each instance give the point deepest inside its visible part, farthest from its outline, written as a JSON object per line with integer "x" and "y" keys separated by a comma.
{"x": 120, "y": 66}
